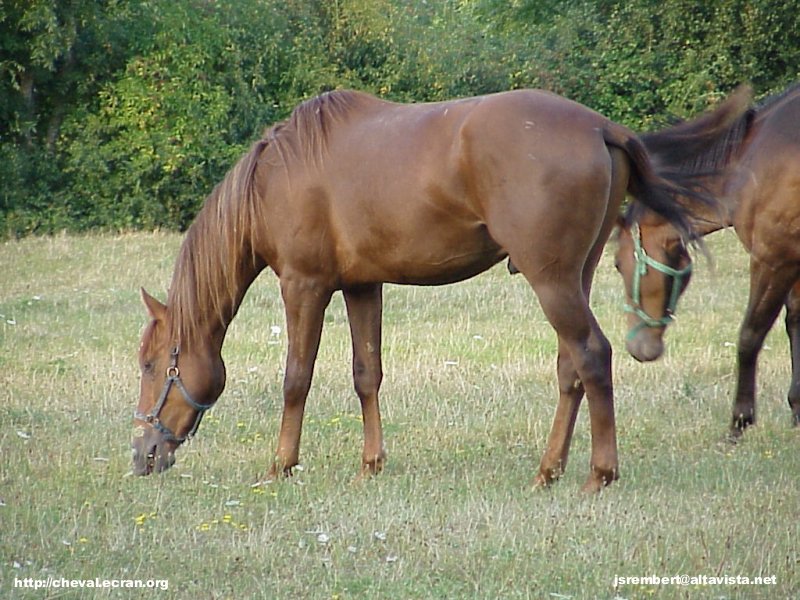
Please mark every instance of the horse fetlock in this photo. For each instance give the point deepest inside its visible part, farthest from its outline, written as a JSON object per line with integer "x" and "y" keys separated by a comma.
{"x": 547, "y": 476}
{"x": 742, "y": 419}
{"x": 794, "y": 404}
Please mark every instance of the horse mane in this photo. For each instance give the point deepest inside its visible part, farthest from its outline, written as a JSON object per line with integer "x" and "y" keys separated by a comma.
{"x": 212, "y": 253}
{"x": 305, "y": 134}
{"x": 220, "y": 244}
{"x": 706, "y": 144}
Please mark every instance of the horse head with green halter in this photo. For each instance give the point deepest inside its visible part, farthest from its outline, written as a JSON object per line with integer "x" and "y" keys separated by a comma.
{"x": 642, "y": 262}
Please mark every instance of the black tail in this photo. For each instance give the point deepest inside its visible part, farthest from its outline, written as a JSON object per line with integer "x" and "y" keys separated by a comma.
{"x": 669, "y": 195}
{"x": 707, "y": 143}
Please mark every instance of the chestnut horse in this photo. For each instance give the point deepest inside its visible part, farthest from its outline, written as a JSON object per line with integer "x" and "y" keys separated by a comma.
{"x": 353, "y": 191}
{"x": 758, "y": 186}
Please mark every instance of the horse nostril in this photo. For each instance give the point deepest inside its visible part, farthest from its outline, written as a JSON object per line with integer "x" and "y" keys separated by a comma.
{"x": 645, "y": 350}
{"x": 143, "y": 459}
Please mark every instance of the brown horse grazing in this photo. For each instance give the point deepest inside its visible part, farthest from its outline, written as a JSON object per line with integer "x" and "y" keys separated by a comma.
{"x": 351, "y": 192}
{"x": 758, "y": 185}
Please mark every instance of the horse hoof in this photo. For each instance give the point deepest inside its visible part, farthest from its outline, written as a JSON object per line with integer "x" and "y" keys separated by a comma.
{"x": 277, "y": 472}
{"x": 738, "y": 427}
{"x": 373, "y": 465}
{"x": 600, "y": 478}
{"x": 734, "y": 435}
{"x": 592, "y": 486}
{"x": 741, "y": 422}
{"x": 540, "y": 483}
{"x": 545, "y": 478}
{"x": 369, "y": 471}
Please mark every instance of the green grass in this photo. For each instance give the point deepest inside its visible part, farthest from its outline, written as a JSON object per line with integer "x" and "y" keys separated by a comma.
{"x": 468, "y": 396}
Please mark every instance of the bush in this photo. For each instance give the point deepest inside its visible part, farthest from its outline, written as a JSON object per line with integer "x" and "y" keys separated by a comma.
{"x": 125, "y": 114}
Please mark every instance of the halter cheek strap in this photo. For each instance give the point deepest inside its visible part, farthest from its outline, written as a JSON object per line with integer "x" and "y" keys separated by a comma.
{"x": 643, "y": 261}
{"x": 152, "y": 418}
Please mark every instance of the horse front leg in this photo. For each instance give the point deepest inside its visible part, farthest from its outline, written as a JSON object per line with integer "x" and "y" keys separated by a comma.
{"x": 571, "y": 392}
{"x": 793, "y": 331}
{"x": 364, "y": 309}
{"x": 305, "y": 302}
{"x": 768, "y": 291}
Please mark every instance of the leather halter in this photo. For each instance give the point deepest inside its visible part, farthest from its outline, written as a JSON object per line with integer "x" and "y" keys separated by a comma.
{"x": 152, "y": 418}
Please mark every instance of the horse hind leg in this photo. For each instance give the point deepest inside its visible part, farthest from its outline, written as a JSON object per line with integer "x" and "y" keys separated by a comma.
{"x": 567, "y": 309}
{"x": 305, "y": 302}
{"x": 571, "y": 391}
{"x": 793, "y": 331}
{"x": 584, "y": 366}
{"x": 364, "y": 309}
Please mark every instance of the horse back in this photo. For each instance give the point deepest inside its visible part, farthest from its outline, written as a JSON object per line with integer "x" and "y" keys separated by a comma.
{"x": 404, "y": 193}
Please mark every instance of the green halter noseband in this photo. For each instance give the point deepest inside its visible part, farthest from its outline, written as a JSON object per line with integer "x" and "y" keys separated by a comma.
{"x": 640, "y": 269}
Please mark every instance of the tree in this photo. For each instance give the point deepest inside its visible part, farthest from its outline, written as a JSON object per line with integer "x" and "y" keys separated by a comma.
{"x": 125, "y": 113}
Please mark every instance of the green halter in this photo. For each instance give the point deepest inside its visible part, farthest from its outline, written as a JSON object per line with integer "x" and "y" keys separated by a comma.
{"x": 640, "y": 269}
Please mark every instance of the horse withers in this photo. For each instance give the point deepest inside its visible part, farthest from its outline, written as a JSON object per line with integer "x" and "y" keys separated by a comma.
{"x": 352, "y": 192}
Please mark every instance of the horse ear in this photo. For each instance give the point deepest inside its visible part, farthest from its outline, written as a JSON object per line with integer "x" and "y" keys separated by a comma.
{"x": 157, "y": 310}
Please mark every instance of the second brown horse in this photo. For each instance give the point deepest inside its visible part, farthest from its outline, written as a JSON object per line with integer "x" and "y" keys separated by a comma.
{"x": 755, "y": 156}
{"x": 352, "y": 192}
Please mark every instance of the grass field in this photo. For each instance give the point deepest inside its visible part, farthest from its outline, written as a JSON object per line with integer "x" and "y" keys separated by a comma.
{"x": 468, "y": 396}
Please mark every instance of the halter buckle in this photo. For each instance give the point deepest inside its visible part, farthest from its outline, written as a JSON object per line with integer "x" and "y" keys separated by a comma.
{"x": 173, "y": 377}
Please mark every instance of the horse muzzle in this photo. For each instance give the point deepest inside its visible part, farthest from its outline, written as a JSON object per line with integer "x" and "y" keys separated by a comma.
{"x": 646, "y": 346}
{"x": 152, "y": 452}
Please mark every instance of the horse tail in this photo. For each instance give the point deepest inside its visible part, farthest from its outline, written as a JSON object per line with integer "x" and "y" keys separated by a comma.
{"x": 665, "y": 193}
{"x": 707, "y": 143}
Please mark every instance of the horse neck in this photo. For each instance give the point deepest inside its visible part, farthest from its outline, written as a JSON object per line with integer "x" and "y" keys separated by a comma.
{"x": 721, "y": 185}
{"x": 214, "y": 270}
{"x": 707, "y": 218}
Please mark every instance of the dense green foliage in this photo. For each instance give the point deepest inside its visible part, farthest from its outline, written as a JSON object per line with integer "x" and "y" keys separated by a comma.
{"x": 123, "y": 114}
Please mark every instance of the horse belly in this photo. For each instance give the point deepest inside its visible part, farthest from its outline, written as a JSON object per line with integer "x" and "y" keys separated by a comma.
{"x": 418, "y": 251}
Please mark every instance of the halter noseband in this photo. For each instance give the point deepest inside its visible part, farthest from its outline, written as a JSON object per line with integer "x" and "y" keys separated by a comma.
{"x": 152, "y": 418}
{"x": 642, "y": 262}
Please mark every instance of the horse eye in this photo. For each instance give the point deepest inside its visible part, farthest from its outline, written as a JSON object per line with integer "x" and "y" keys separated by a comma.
{"x": 147, "y": 367}
{"x": 616, "y": 264}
